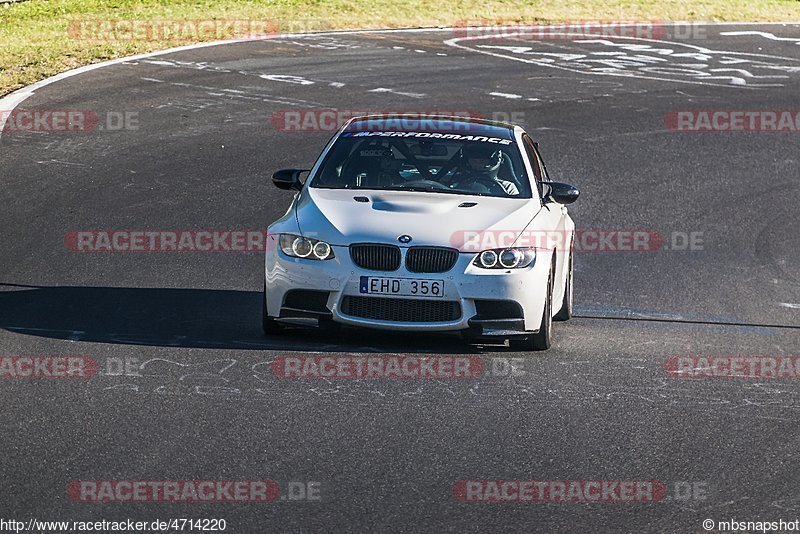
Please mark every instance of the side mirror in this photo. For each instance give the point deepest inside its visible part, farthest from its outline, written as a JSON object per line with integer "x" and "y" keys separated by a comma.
{"x": 288, "y": 179}
{"x": 559, "y": 192}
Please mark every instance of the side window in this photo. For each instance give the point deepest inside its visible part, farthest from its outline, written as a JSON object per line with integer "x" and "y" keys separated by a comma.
{"x": 531, "y": 153}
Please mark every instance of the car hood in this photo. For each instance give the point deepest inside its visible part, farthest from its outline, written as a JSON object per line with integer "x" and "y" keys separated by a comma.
{"x": 440, "y": 219}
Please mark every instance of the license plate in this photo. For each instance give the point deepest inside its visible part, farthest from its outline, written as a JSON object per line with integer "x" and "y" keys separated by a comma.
{"x": 404, "y": 287}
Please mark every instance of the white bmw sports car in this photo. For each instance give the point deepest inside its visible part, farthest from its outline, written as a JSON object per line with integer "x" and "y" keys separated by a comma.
{"x": 424, "y": 224}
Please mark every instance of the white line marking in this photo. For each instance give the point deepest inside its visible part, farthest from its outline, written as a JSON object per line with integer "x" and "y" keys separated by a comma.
{"x": 745, "y": 73}
{"x": 287, "y": 78}
{"x": 506, "y": 95}
{"x": 790, "y": 305}
{"x": 545, "y": 62}
{"x": 392, "y": 91}
{"x": 766, "y": 35}
{"x": 57, "y": 162}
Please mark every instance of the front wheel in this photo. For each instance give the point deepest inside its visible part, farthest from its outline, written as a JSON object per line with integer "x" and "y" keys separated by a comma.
{"x": 270, "y": 326}
{"x": 543, "y": 338}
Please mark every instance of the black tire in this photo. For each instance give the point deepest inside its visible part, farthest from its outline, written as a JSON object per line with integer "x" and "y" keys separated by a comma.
{"x": 565, "y": 313}
{"x": 543, "y": 338}
{"x": 270, "y": 326}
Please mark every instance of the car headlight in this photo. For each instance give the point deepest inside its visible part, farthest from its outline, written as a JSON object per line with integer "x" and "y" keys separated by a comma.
{"x": 298, "y": 246}
{"x": 505, "y": 258}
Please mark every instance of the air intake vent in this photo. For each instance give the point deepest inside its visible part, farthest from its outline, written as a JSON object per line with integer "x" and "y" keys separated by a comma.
{"x": 497, "y": 309}
{"x": 431, "y": 259}
{"x": 306, "y": 299}
{"x": 376, "y": 257}
{"x": 401, "y": 310}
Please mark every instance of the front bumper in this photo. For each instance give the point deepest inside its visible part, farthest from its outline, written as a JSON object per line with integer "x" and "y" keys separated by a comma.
{"x": 465, "y": 284}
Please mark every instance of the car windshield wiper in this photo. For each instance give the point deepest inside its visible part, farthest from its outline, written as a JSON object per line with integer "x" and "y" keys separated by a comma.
{"x": 417, "y": 189}
{"x": 447, "y": 191}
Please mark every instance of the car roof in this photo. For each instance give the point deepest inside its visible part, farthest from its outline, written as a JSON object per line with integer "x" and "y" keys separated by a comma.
{"x": 416, "y": 122}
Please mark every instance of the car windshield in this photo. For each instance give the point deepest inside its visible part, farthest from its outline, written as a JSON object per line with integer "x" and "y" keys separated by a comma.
{"x": 429, "y": 162}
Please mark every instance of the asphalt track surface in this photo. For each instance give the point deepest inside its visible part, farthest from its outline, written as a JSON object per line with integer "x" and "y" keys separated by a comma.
{"x": 387, "y": 453}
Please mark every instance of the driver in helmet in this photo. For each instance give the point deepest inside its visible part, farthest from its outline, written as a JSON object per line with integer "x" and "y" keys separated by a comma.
{"x": 480, "y": 166}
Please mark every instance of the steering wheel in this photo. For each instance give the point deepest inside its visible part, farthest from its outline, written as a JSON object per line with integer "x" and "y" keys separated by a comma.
{"x": 490, "y": 185}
